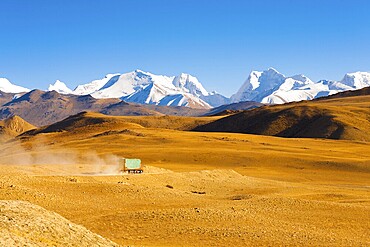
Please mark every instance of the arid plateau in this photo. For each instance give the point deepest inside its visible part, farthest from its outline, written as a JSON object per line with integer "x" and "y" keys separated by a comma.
{"x": 291, "y": 184}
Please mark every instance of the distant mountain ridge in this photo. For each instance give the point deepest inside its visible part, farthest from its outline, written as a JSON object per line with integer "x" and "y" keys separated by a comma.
{"x": 43, "y": 108}
{"x": 268, "y": 87}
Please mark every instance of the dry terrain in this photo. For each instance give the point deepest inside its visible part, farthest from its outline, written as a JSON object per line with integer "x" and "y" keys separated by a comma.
{"x": 334, "y": 117}
{"x": 25, "y": 224}
{"x": 12, "y": 127}
{"x": 198, "y": 188}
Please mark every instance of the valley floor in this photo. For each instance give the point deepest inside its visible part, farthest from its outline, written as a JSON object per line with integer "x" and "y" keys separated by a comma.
{"x": 198, "y": 189}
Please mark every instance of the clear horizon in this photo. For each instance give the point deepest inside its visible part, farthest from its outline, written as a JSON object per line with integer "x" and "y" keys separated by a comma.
{"x": 217, "y": 41}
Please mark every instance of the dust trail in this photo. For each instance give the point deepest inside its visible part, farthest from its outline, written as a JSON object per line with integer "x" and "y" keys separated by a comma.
{"x": 42, "y": 159}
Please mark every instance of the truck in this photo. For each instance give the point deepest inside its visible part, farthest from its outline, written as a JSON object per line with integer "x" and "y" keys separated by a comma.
{"x": 131, "y": 165}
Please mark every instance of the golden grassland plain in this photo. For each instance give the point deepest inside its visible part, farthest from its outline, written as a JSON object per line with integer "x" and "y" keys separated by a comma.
{"x": 198, "y": 188}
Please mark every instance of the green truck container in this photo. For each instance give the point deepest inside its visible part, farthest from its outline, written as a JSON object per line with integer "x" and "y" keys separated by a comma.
{"x": 131, "y": 165}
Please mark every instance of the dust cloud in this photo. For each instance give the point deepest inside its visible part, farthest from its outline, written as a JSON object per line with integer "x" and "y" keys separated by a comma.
{"x": 58, "y": 161}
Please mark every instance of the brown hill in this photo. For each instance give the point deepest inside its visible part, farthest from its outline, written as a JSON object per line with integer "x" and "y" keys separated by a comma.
{"x": 17, "y": 124}
{"x": 334, "y": 117}
{"x": 95, "y": 122}
{"x": 13, "y": 126}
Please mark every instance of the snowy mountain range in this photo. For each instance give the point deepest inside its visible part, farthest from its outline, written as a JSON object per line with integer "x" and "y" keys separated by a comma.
{"x": 147, "y": 88}
{"x": 267, "y": 86}
{"x": 272, "y": 87}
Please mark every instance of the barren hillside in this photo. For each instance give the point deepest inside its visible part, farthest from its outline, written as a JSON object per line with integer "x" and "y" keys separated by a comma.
{"x": 26, "y": 224}
{"x": 13, "y": 126}
{"x": 334, "y": 118}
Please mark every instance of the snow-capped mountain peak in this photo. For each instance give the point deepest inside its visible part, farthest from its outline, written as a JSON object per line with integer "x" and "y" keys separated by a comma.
{"x": 272, "y": 70}
{"x": 356, "y": 80}
{"x": 259, "y": 85}
{"x": 265, "y": 78}
{"x": 125, "y": 84}
{"x": 7, "y": 87}
{"x": 59, "y": 87}
{"x": 139, "y": 71}
{"x": 189, "y": 84}
{"x": 160, "y": 93}
{"x": 272, "y": 87}
{"x": 93, "y": 86}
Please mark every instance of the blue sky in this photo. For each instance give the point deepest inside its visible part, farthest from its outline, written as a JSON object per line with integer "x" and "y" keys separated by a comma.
{"x": 220, "y": 42}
